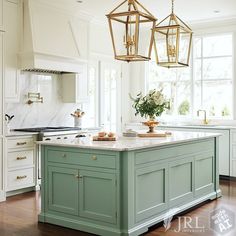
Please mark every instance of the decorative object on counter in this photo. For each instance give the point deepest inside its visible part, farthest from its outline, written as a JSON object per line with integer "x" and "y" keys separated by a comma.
{"x": 132, "y": 21}
{"x": 78, "y": 114}
{"x": 152, "y": 105}
{"x": 104, "y": 136}
{"x": 34, "y": 98}
{"x": 8, "y": 119}
{"x": 172, "y": 42}
{"x": 154, "y": 135}
{"x": 130, "y": 133}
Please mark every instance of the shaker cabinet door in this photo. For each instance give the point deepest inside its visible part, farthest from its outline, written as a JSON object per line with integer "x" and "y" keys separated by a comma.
{"x": 97, "y": 196}
{"x": 63, "y": 188}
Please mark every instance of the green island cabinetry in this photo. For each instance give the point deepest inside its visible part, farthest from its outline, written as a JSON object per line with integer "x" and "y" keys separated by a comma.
{"x": 124, "y": 192}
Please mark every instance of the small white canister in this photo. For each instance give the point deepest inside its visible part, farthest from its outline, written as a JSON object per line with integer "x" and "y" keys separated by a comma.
{"x": 78, "y": 122}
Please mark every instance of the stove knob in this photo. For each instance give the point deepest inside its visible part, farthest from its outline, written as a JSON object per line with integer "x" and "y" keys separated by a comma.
{"x": 47, "y": 139}
{"x": 59, "y": 138}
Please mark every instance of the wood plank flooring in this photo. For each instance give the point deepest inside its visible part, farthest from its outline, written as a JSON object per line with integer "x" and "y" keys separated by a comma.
{"x": 18, "y": 216}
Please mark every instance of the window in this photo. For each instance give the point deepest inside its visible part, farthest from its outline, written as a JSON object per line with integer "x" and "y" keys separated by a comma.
{"x": 206, "y": 84}
{"x": 110, "y": 90}
{"x": 103, "y": 108}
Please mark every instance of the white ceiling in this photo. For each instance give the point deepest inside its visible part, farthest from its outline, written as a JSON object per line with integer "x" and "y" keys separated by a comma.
{"x": 188, "y": 10}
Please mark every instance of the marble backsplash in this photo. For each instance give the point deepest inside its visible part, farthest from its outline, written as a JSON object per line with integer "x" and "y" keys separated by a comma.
{"x": 52, "y": 112}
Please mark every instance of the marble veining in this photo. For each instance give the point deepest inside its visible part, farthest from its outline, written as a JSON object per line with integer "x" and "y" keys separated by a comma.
{"x": 128, "y": 144}
{"x": 53, "y": 112}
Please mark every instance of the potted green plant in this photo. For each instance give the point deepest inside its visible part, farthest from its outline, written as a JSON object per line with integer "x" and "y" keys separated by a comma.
{"x": 150, "y": 106}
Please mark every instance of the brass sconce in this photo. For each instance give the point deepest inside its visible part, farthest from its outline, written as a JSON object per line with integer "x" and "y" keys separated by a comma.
{"x": 134, "y": 20}
{"x": 34, "y": 98}
{"x": 172, "y": 42}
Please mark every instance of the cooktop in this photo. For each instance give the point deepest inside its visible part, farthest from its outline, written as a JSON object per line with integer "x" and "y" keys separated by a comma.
{"x": 47, "y": 129}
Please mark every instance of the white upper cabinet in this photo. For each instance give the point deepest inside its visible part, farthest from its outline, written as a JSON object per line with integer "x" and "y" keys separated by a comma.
{"x": 11, "y": 25}
{"x": 1, "y": 15}
{"x": 75, "y": 87}
{"x": 1, "y": 85}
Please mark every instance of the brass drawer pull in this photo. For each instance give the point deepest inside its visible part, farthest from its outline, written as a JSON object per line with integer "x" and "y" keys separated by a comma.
{"x": 78, "y": 176}
{"x": 64, "y": 156}
{"x": 21, "y": 143}
{"x": 21, "y": 177}
{"x": 94, "y": 158}
{"x": 21, "y": 158}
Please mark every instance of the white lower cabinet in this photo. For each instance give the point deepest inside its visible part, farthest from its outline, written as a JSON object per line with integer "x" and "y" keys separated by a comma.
{"x": 21, "y": 163}
{"x": 233, "y": 152}
{"x": 2, "y": 192}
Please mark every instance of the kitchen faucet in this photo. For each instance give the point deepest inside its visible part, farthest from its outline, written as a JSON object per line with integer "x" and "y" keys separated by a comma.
{"x": 205, "y": 121}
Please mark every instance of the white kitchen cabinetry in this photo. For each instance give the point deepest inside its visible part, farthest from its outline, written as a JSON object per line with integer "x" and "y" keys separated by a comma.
{"x": 1, "y": 82}
{"x": 11, "y": 22}
{"x": 224, "y": 145}
{"x": 233, "y": 152}
{"x": 2, "y": 192}
{"x": 1, "y": 15}
{"x": 21, "y": 163}
{"x": 75, "y": 87}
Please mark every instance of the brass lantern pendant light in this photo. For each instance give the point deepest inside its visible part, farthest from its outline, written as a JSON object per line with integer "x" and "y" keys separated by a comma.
{"x": 173, "y": 39}
{"x": 127, "y": 21}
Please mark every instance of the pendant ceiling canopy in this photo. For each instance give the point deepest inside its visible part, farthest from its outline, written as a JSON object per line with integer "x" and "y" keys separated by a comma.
{"x": 127, "y": 22}
{"x": 172, "y": 42}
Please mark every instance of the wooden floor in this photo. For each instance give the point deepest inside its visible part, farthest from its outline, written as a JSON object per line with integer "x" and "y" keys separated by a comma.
{"x": 18, "y": 216}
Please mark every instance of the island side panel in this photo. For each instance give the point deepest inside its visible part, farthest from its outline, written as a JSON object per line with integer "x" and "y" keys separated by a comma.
{"x": 156, "y": 180}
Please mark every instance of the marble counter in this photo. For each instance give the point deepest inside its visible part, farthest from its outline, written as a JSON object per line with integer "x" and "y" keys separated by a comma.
{"x": 129, "y": 144}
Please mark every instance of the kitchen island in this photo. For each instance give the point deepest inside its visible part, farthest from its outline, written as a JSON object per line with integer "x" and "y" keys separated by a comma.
{"x": 126, "y": 186}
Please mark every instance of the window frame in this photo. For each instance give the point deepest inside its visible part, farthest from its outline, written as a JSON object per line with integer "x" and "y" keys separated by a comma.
{"x": 192, "y": 114}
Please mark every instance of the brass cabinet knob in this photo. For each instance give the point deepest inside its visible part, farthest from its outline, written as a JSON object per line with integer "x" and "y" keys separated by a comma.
{"x": 78, "y": 176}
{"x": 94, "y": 158}
{"x": 21, "y": 158}
{"x": 21, "y": 143}
{"x": 21, "y": 177}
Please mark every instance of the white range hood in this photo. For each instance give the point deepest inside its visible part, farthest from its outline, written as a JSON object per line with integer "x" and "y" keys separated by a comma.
{"x": 53, "y": 40}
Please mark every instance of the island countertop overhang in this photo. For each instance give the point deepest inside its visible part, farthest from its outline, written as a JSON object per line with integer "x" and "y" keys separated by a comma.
{"x": 132, "y": 144}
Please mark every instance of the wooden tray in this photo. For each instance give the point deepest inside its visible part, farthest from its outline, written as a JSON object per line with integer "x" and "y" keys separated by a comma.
{"x": 96, "y": 138}
{"x": 154, "y": 135}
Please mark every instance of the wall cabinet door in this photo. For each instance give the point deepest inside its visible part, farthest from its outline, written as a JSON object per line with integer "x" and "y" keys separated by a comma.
{"x": 1, "y": 15}
{"x": 97, "y": 196}
{"x": 11, "y": 22}
{"x": 1, "y": 83}
{"x": 63, "y": 189}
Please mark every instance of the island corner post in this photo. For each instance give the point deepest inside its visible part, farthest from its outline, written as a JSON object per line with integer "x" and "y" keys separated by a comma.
{"x": 124, "y": 192}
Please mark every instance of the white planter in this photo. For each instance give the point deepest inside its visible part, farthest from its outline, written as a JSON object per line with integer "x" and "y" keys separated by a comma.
{"x": 77, "y": 121}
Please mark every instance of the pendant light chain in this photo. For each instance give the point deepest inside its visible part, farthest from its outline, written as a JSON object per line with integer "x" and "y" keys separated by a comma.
{"x": 173, "y": 6}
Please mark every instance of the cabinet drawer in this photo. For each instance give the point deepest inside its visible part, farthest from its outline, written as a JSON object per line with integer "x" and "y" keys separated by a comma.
{"x": 96, "y": 160}
{"x": 20, "y": 158}
{"x": 20, "y": 179}
{"x": 20, "y": 143}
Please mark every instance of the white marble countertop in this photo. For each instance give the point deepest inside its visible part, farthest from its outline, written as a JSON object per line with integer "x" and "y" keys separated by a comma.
{"x": 183, "y": 125}
{"x": 197, "y": 126}
{"x": 129, "y": 144}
